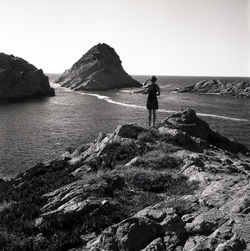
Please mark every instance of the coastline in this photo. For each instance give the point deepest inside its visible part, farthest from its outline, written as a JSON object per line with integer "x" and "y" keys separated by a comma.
{"x": 61, "y": 131}
{"x": 109, "y": 100}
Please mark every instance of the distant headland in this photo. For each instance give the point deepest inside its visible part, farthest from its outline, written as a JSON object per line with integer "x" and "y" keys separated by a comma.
{"x": 20, "y": 80}
{"x": 239, "y": 88}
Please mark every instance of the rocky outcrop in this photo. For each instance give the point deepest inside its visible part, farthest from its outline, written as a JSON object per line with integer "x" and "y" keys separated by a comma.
{"x": 20, "y": 80}
{"x": 169, "y": 188}
{"x": 239, "y": 88}
{"x": 187, "y": 121}
{"x": 99, "y": 69}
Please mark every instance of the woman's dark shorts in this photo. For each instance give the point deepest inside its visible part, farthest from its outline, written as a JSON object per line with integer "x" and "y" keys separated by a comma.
{"x": 152, "y": 104}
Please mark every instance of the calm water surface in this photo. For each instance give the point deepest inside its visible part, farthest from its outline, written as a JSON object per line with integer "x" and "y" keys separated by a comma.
{"x": 39, "y": 130}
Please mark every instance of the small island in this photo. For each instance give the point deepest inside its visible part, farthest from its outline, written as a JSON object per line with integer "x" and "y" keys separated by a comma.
{"x": 239, "y": 88}
{"x": 99, "y": 69}
{"x": 20, "y": 80}
{"x": 178, "y": 187}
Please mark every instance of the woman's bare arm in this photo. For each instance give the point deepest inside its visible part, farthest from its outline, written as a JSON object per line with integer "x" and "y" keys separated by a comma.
{"x": 145, "y": 83}
{"x": 143, "y": 90}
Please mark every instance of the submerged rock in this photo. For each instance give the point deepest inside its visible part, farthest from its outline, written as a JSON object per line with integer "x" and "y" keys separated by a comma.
{"x": 239, "y": 88}
{"x": 20, "y": 80}
{"x": 99, "y": 69}
{"x": 171, "y": 188}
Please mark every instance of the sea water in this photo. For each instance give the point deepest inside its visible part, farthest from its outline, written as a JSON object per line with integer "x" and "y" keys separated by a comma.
{"x": 41, "y": 130}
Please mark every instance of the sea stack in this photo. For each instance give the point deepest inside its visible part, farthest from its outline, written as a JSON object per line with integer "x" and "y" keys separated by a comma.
{"x": 99, "y": 69}
{"x": 239, "y": 88}
{"x": 20, "y": 80}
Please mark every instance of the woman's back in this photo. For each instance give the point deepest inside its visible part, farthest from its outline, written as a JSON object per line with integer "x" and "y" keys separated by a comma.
{"x": 152, "y": 91}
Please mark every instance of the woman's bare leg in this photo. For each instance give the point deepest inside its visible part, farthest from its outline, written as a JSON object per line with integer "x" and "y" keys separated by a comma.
{"x": 154, "y": 117}
{"x": 149, "y": 116}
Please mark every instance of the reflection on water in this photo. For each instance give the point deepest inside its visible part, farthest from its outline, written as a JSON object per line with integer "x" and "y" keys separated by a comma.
{"x": 39, "y": 130}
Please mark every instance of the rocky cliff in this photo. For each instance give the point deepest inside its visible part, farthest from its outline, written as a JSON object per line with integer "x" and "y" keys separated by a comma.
{"x": 171, "y": 188}
{"x": 20, "y": 80}
{"x": 99, "y": 69}
{"x": 238, "y": 88}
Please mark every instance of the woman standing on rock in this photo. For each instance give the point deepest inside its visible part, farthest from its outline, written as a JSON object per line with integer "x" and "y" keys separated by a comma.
{"x": 153, "y": 90}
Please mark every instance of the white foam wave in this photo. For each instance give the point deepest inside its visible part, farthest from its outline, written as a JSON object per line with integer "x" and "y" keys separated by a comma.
{"x": 126, "y": 91}
{"x": 111, "y": 101}
{"x": 54, "y": 85}
{"x": 210, "y": 115}
{"x": 222, "y": 117}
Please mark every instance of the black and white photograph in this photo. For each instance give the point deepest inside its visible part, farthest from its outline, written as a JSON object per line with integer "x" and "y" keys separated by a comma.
{"x": 124, "y": 125}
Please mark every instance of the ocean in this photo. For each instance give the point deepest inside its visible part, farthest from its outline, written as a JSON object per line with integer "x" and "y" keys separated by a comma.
{"x": 40, "y": 130}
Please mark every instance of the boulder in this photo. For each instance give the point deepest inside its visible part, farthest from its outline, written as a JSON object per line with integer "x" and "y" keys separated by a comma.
{"x": 99, "y": 69}
{"x": 223, "y": 239}
{"x": 79, "y": 202}
{"x": 20, "y": 80}
{"x": 192, "y": 242}
{"x": 155, "y": 245}
{"x": 143, "y": 231}
{"x": 234, "y": 244}
{"x": 187, "y": 121}
{"x": 131, "y": 131}
{"x": 200, "y": 226}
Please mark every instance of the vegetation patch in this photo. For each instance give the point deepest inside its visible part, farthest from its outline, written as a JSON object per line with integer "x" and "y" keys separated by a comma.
{"x": 158, "y": 159}
{"x": 154, "y": 181}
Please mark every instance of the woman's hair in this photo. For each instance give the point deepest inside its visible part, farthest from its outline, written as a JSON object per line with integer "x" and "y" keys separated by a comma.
{"x": 153, "y": 78}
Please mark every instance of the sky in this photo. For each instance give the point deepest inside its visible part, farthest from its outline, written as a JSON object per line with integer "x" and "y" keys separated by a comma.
{"x": 160, "y": 37}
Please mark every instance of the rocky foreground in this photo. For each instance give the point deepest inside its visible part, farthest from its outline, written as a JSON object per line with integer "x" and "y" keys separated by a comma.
{"x": 180, "y": 187}
{"x": 237, "y": 88}
{"x": 20, "y": 80}
{"x": 98, "y": 69}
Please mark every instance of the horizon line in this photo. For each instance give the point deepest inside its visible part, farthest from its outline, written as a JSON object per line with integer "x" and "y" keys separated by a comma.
{"x": 163, "y": 75}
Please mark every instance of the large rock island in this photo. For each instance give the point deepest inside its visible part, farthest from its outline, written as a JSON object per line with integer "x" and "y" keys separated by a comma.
{"x": 99, "y": 69}
{"x": 179, "y": 187}
{"x": 239, "y": 88}
{"x": 20, "y": 80}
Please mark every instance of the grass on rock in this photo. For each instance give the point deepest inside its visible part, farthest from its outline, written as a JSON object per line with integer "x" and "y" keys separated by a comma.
{"x": 149, "y": 180}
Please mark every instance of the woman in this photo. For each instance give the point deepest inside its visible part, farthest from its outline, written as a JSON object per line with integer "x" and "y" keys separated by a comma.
{"x": 153, "y": 90}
